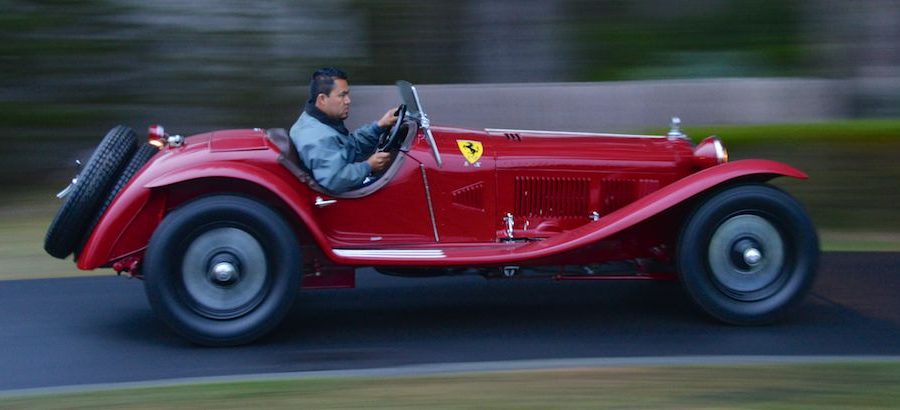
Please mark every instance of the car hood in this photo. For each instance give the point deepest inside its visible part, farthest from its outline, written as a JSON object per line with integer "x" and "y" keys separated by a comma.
{"x": 522, "y": 149}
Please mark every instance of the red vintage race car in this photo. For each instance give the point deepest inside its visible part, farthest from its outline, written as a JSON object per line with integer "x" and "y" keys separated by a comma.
{"x": 225, "y": 227}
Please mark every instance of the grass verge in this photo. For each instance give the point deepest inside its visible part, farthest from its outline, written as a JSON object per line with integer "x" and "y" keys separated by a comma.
{"x": 787, "y": 386}
{"x": 24, "y": 218}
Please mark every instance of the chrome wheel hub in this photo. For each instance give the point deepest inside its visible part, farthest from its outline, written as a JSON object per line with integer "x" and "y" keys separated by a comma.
{"x": 752, "y": 256}
{"x": 224, "y": 272}
{"x": 746, "y": 254}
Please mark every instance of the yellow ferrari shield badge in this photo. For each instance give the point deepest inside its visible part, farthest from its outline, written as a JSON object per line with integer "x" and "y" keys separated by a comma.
{"x": 472, "y": 150}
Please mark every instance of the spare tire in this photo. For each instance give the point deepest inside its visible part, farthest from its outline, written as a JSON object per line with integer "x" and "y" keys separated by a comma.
{"x": 94, "y": 181}
{"x": 137, "y": 161}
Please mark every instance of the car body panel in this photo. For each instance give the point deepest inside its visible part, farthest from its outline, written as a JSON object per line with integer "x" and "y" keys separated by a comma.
{"x": 589, "y": 233}
{"x": 192, "y": 163}
{"x": 436, "y": 216}
{"x": 460, "y": 190}
{"x": 395, "y": 214}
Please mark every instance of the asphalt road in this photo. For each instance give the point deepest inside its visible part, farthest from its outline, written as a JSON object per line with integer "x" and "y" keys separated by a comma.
{"x": 62, "y": 332}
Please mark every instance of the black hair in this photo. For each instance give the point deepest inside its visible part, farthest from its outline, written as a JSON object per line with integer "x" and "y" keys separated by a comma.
{"x": 322, "y": 81}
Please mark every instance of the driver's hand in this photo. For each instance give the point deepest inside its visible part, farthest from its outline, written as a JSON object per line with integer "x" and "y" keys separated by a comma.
{"x": 389, "y": 119}
{"x": 379, "y": 161}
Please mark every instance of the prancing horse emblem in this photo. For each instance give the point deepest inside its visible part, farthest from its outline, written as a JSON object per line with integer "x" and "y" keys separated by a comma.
{"x": 472, "y": 150}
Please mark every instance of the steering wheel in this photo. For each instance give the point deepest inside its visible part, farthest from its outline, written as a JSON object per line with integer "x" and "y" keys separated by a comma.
{"x": 391, "y": 139}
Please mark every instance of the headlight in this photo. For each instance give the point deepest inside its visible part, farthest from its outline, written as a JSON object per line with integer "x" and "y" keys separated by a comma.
{"x": 710, "y": 152}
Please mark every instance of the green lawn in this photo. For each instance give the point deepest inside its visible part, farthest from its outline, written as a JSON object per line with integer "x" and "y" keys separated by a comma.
{"x": 790, "y": 386}
{"x": 24, "y": 218}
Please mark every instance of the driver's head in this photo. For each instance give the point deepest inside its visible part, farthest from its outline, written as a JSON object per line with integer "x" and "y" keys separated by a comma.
{"x": 330, "y": 92}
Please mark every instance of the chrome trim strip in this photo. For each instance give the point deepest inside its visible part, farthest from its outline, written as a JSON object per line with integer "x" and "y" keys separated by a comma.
{"x": 567, "y": 133}
{"x": 391, "y": 253}
{"x": 430, "y": 207}
{"x": 321, "y": 203}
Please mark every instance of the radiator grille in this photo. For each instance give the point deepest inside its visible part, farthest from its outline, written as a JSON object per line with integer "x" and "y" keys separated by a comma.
{"x": 552, "y": 196}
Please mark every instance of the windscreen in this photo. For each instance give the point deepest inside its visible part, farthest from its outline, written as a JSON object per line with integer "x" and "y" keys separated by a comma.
{"x": 405, "y": 88}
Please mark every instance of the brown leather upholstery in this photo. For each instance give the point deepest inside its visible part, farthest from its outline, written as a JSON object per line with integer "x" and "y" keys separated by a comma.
{"x": 289, "y": 158}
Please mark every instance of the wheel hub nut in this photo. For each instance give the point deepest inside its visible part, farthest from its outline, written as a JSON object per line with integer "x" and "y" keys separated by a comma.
{"x": 752, "y": 256}
{"x": 224, "y": 272}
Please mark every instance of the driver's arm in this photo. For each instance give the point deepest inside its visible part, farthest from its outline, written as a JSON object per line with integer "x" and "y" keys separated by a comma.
{"x": 379, "y": 161}
{"x": 365, "y": 140}
{"x": 389, "y": 118}
{"x": 366, "y": 137}
{"x": 331, "y": 164}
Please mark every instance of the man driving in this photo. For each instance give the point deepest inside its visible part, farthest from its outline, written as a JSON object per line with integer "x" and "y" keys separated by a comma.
{"x": 339, "y": 160}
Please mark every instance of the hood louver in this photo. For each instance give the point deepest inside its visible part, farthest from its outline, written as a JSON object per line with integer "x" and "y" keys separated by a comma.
{"x": 552, "y": 196}
{"x": 471, "y": 196}
{"x": 617, "y": 193}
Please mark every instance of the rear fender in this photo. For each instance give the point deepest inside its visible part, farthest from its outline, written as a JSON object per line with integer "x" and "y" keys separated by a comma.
{"x": 126, "y": 227}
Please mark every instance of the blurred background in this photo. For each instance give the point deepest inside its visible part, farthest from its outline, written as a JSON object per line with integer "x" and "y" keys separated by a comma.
{"x": 814, "y": 83}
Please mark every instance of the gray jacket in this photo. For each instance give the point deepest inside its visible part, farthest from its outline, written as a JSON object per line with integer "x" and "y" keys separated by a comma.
{"x": 337, "y": 161}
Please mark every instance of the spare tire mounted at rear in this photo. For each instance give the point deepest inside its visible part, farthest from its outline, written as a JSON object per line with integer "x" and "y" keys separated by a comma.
{"x": 91, "y": 193}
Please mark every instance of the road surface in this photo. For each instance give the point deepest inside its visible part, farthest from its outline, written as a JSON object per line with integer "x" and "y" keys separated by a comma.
{"x": 62, "y": 332}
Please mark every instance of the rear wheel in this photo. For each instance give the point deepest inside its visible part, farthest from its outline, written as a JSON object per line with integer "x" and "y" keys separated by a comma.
{"x": 747, "y": 254}
{"x": 222, "y": 270}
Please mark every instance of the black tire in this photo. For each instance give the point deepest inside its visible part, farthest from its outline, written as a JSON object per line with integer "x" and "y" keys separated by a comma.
{"x": 747, "y": 254}
{"x": 94, "y": 181}
{"x": 260, "y": 277}
{"x": 137, "y": 161}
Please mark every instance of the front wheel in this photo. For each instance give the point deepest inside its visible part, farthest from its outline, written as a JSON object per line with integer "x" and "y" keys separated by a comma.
{"x": 747, "y": 254}
{"x": 222, "y": 270}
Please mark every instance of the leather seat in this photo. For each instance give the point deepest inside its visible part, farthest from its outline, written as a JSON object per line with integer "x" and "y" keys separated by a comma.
{"x": 289, "y": 158}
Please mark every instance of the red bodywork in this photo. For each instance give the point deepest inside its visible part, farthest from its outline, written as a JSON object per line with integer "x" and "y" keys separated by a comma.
{"x": 450, "y": 216}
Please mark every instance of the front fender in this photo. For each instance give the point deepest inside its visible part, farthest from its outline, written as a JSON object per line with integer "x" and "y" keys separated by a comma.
{"x": 132, "y": 217}
{"x": 605, "y": 227}
{"x": 658, "y": 202}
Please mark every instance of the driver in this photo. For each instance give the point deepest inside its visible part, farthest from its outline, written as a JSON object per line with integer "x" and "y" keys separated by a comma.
{"x": 339, "y": 160}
